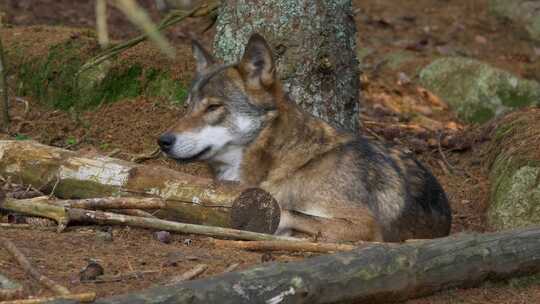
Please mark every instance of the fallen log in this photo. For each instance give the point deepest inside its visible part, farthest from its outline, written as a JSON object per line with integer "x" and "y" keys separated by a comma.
{"x": 186, "y": 198}
{"x": 375, "y": 274}
{"x": 41, "y": 207}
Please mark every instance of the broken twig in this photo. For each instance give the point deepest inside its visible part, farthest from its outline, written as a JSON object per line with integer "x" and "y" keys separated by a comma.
{"x": 9, "y": 289}
{"x": 121, "y": 277}
{"x": 30, "y": 270}
{"x": 147, "y": 156}
{"x": 231, "y": 267}
{"x": 86, "y": 297}
{"x": 285, "y": 246}
{"x": 188, "y": 275}
{"x": 64, "y": 216}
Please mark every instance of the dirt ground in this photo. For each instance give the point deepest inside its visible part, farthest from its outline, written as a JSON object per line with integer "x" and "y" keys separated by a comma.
{"x": 394, "y": 110}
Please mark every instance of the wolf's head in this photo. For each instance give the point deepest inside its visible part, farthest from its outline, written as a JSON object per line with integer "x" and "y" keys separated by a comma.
{"x": 228, "y": 107}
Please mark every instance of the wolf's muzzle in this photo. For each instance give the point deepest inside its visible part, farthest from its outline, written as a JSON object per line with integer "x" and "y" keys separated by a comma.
{"x": 166, "y": 142}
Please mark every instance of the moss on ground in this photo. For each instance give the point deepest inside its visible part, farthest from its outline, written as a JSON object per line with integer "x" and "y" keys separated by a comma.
{"x": 514, "y": 160}
{"x": 477, "y": 91}
{"x": 48, "y": 69}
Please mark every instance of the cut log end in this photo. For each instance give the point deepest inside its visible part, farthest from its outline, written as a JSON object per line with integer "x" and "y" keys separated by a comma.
{"x": 255, "y": 210}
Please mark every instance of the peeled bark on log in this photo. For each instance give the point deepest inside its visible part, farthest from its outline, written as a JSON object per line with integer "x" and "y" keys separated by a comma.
{"x": 314, "y": 46}
{"x": 187, "y": 198}
{"x": 375, "y": 274}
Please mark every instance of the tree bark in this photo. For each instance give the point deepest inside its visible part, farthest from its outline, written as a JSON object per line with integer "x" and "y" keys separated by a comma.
{"x": 187, "y": 198}
{"x": 375, "y": 274}
{"x": 4, "y": 99}
{"x": 314, "y": 46}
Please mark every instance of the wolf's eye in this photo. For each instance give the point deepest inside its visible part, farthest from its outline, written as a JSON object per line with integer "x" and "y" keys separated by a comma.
{"x": 213, "y": 107}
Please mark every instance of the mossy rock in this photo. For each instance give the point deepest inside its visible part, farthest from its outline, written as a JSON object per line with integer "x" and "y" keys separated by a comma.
{"x": 45, "y": 62}
{"x": 515, "y": 170}
{"x": 525, "y": 13}
{"x": 477, "y": 91}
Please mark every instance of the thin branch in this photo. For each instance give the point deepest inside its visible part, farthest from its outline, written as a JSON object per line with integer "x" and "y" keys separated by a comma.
{"x": 9, "y": 289}
{"x": 64, "y": 216}
{"x": 30, "y": 270}
{"x": 285, "y": 246}
{"x": 121, "y": 277}
{"x": 443, "y": 156}
{"x": 87, "y": 297}
{"x": 231, "y": 267}
{"x": 147, "y": 156}
{"x": 172, "y": 19}
{"x": 101, "y": 23}
{"x": 188, "y": 275}
{"x": 138, "y": 16}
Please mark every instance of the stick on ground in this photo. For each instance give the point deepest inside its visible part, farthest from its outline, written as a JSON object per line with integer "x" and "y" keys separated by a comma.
{"x": 30, "y": 270}
{"x": 188, "y": 275}
{"x": 284, "y": 246}
{"x": 87, "y": 297}
{"x": 9, "y": 289}
{"x": 121, "y": 277}
{"x": 64, "y": 216}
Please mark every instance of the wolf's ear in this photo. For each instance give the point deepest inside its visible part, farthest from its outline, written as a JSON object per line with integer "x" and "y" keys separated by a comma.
{"x": 257, "y": 65}
{"x": 203, "y": 58}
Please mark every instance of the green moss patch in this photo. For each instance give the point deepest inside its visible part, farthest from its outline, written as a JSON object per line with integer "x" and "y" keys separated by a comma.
{"x": 514, "y": 161}
{"x": 50, "y": 72}
{"x": 477, "y": 91}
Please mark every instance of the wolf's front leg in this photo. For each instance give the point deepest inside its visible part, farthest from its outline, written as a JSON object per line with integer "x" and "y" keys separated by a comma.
{"x": 361, "y": 228}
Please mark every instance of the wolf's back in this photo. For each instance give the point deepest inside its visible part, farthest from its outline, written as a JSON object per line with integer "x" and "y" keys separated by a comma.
{"x": 404, "y": 196}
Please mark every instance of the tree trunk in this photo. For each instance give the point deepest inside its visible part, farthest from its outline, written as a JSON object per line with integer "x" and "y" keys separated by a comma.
{"x": 4, "y": 99}
{"x": 376, "y": 274}
{"x": 314, "y": 46}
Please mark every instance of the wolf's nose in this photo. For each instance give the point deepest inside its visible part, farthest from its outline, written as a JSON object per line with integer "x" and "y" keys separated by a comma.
{"x": 166, "y": 141}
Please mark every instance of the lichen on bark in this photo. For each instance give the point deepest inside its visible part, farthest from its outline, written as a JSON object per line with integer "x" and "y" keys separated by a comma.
{"x": 314, "y": 45}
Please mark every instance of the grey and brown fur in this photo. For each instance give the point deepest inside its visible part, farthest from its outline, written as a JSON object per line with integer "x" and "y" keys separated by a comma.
{"x": 337, "y": 185}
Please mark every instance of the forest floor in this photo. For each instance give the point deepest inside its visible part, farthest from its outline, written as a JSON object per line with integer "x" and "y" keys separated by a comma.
{"x": 391, "y": 103}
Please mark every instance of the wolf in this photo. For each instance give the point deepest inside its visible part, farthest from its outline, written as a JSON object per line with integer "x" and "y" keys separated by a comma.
{"x": 328, "y": 183}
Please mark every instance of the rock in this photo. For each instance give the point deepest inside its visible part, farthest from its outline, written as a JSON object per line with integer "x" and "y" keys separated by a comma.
{"x": 163, "y": 236}
{"x": 91, "y": 271}
{"x": 477, "y": 91}
{"x": 104, "y": 234}
{"x": 525, "y": 13}
{"x": 515, "y": 170}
